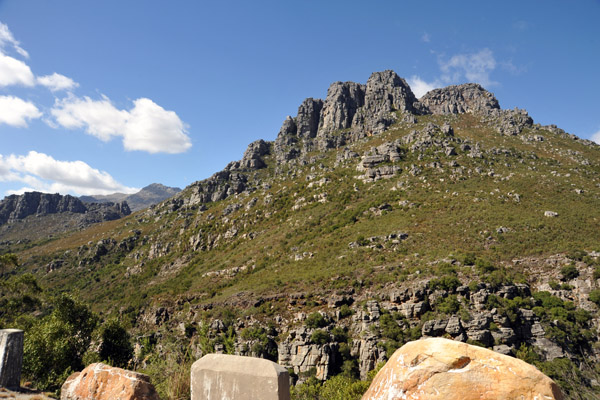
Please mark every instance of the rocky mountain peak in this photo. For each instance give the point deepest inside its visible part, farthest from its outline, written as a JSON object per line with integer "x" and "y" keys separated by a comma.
{"x": 466, "y": 98}
{"x": 351, "y": 112}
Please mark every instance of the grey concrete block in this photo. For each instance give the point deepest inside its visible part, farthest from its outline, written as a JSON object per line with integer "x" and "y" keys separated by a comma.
{"x": 11, "y": 357}
{"x": 222, "y": 376}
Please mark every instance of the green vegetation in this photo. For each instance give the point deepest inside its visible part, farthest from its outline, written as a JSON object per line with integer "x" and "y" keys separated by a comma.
{"x": 6, "y": 261}
{"x": 340, "y": 387}
{"x": 315, "y": 320}
{"x": 55, "y": 346}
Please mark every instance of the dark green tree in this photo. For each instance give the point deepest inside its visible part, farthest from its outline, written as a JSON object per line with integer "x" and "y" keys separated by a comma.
{"x": 115, "y": 347}
{"x": 54, "y": 347}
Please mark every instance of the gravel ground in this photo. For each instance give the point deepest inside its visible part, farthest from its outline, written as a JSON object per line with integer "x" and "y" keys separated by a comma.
{"x": 23, "y": 394}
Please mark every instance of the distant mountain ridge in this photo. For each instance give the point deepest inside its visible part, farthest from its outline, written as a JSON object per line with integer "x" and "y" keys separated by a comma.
{"x": 149, "y": 195}
{"x": 19, "y": 207}
{"x": 34, "y": 215}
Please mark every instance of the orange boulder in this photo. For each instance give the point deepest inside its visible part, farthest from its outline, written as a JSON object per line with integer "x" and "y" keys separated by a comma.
{"x": 103, "y": 382}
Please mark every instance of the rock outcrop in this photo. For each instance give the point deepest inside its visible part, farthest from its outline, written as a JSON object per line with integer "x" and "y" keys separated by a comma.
{"x": 342, "y": 102}
{"x": 253, "y": 155}
{"x": 445, "y": 369}
{"x": 221, "y": 376}
{"x": 218, "y": 187}
{"x": 102, "y": 382}
{"x": 466, "y": 98}
{"x": 385, "y": 92}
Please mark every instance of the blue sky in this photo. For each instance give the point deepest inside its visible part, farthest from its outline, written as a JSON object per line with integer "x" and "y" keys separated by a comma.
{"x": 106, "y": 96}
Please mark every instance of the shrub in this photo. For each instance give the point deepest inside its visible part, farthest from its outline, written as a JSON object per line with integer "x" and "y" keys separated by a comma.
{"x": 595, "y": 297}
{"x": 448, "y": 283}
{"x": 576, "y": 255}
{"x": 115, "y": 347}
{"x": 484, "y": 266}
{"x": 448, "y": 305}
{"x": 568, "y": 272}
{"x": 339, "y": 334}
{"x": 345, "y": 311}
{"x": 315, "y": 320}
{"x": 468, "y": 259}
{"x": 320, "y": 337}
{"x": 554, "y": 285}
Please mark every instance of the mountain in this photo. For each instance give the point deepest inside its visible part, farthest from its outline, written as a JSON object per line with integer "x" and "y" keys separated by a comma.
{"x": 147, "y": 196}
{"x": 374, "y": 218}
{"x": 34, "y": 215}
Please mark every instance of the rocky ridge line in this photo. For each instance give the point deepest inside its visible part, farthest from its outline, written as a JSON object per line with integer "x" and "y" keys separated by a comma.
{"x": 350, "y": 112}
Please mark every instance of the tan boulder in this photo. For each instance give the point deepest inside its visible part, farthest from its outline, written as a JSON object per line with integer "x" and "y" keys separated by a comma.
{"x": 103, "y": 382}
{"x": 437, "y": 368}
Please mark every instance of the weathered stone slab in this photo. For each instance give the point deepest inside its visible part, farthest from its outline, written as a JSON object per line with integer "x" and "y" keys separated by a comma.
{"x": 11, "y": 357}
{"x": 103, "y": 382}
{"x": 228, "y": 377}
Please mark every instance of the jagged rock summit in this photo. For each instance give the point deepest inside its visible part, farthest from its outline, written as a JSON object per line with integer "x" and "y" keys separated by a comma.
{"x": 351, "y": 112}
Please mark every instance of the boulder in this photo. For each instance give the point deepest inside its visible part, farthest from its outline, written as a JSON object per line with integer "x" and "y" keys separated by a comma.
{"x": 466, "y": 98}
{"x": 223, "y": 376}
{"x": 103, "y": 382}
{"x": 11, "y": 357}
{"x": 439, "y": 368}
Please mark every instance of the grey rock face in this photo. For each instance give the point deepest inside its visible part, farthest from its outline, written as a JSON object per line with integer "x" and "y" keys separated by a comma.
{"x": 385, "y": 92}
{"x": 253, "y": 156}
{"x": 467, "y": 98}
{"x": 307, "y": 120}
{"x": 218, "y": 187}
{"x": 343, "y": 100}
{"x": 11, "y": 357}
{"x": 299, "y": 353}
{"x": 511, "y": 122}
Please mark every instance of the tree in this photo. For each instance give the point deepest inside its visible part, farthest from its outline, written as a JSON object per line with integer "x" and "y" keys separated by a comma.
{"x": 115, "y": 347}
{"x": 54, "y": 348}
{"x": 6, "y": 260}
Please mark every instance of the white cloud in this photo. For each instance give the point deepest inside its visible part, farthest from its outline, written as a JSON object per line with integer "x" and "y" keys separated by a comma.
{"x": 426, "y": 38}
{"x": 14, "y": 72}
{"x": 420, "y": 87}
{"x": 469, "y": 67}
{"x": 596, "y": 137}
{"x": 16, "y": 112}
{"x": 17, "y": 72}
{"x": 6, "y": 37}
{"x": 153, "y": 129}
{"x": 99, "y": 117}
{"x": 146, "y": 127}
{"x": 475, "y": 67}
{"x": 42, "y": 172}
{"x": 57, "y": 82}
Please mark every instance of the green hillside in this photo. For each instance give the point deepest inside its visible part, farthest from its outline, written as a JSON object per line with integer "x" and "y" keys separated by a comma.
{"x": 469, "y": 216}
